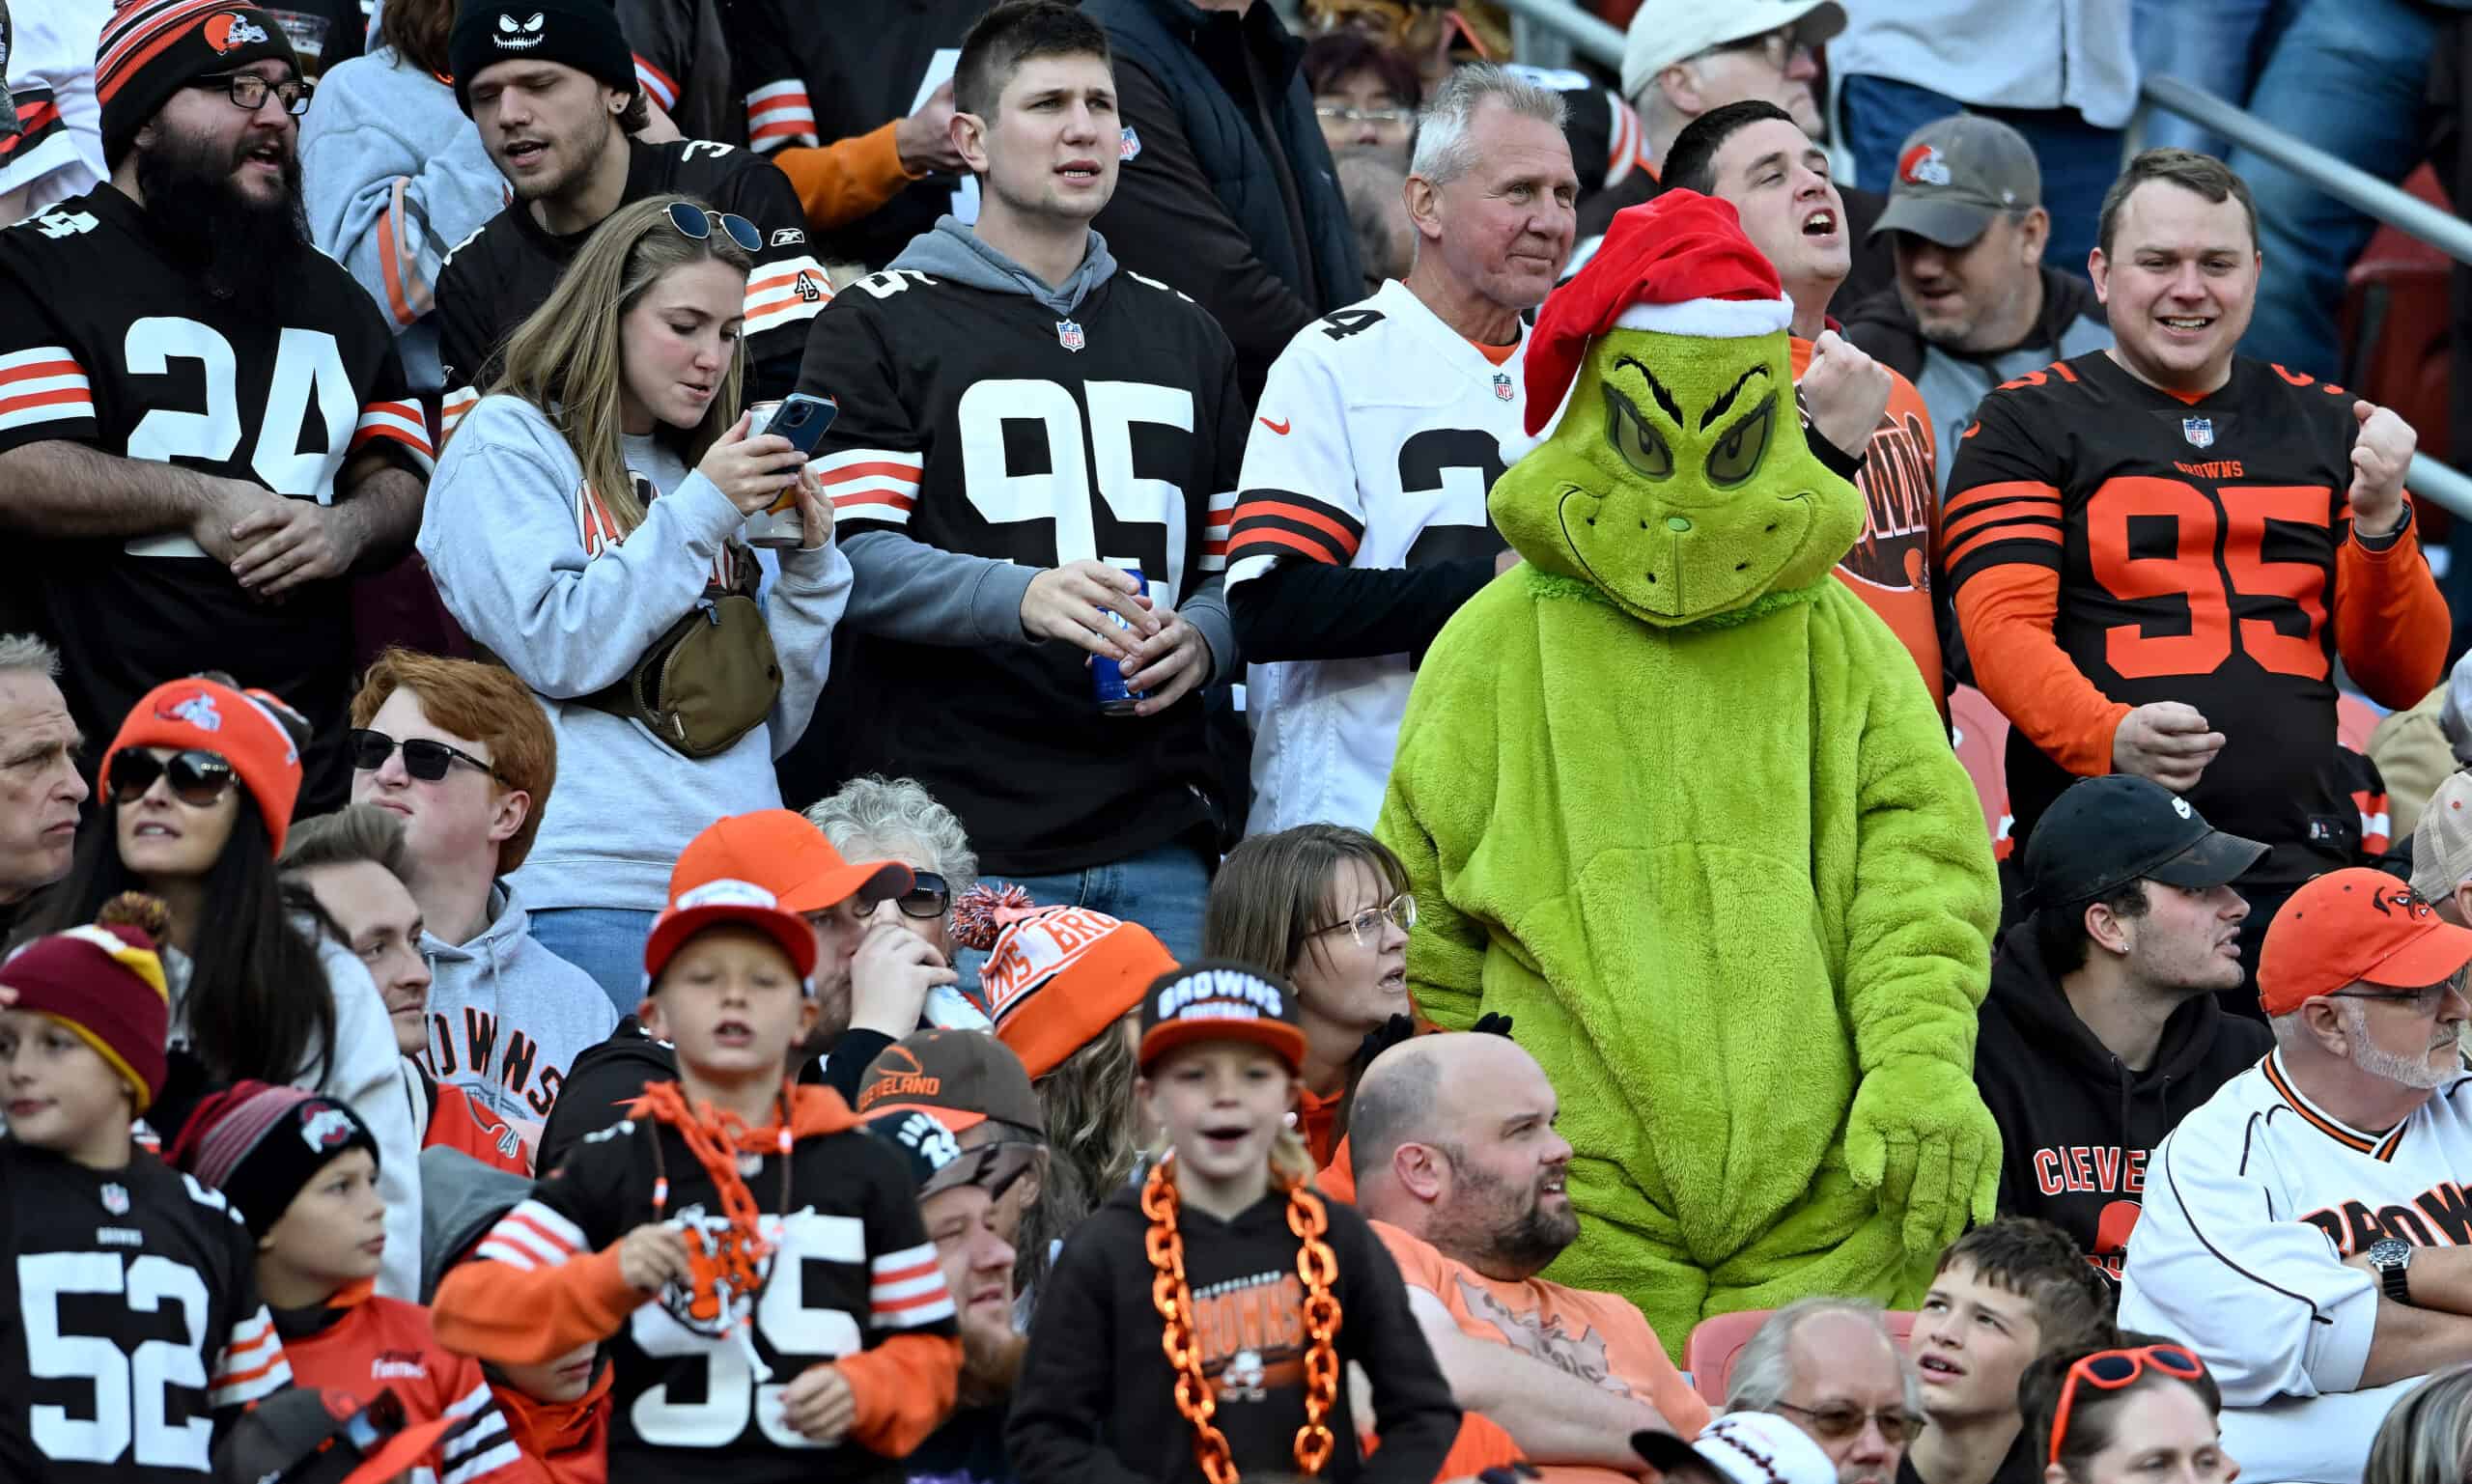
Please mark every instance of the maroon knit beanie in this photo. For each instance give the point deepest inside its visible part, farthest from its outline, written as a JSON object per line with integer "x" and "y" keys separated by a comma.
{"x": 105, "y": 982}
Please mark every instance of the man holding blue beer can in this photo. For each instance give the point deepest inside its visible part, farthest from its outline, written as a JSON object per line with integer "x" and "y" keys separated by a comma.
{"x": 1032, "y": 474}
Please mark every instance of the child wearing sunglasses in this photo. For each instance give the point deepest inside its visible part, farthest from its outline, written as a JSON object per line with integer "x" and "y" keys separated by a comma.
{"x": 195, "y": 802}
{"x": 585, "y": 527}
{"x": 2125, "y": 1408}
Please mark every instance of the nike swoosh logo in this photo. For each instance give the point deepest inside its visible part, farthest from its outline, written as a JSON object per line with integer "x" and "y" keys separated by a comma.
{"x": 1278, "y": 428}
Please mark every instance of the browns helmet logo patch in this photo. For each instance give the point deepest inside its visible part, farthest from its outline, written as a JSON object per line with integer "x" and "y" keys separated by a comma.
{"x": 1923, "y": 165}
{"x": 197, "y": 708}
{"x": 230, "y": 31}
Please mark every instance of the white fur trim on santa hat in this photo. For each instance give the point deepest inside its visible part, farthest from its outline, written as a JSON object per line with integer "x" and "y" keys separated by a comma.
{"x": 1710, "y": 318}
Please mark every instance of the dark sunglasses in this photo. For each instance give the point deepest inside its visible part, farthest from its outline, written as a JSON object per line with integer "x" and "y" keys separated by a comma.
{"x": 1840, "y": 1420}
{"x": 697, "y": 223}
{"x": 928, "y": 896}
{"x": 2109, "y": 1370}
{"x": 197, "y": 778}
{"x": 424, "y": 758}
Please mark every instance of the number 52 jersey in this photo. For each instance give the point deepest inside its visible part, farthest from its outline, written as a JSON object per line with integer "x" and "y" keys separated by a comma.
{"x": 130, "y": 1329}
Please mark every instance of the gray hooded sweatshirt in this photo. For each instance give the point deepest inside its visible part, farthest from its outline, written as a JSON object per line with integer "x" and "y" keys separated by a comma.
{"x": 503, "y": 533}
{"x": 909, "y": 590}
{"x": 507, "y": 1017}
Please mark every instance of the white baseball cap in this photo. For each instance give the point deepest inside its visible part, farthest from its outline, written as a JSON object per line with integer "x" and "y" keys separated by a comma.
{"x": 1742, "y": 1447}
{"x": 1663, "y": 32}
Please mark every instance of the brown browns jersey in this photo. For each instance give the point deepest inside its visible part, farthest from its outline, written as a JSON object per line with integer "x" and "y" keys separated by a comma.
{"x": 2111, "y": 545}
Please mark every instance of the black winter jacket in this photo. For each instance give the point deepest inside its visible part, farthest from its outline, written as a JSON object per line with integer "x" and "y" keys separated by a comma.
{"x": 2076, "y": 1126}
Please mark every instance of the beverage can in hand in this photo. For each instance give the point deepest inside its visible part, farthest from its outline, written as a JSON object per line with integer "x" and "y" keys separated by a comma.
{"x": 1106, "y": 675}
{"x": 778, "y": 525}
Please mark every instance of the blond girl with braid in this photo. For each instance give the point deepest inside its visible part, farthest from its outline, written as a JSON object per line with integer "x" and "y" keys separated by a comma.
{"x": 1197, "y": 1327}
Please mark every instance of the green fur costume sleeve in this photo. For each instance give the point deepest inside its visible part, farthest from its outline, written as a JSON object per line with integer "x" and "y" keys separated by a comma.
{"x": 1676, "y": 799}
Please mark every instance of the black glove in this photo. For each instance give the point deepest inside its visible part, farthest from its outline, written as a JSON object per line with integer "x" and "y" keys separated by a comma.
{"x": 1392, "y": 1032}
{"x": 1493, "y": 1023}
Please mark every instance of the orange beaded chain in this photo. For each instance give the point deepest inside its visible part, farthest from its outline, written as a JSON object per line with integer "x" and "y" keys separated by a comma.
{"x": 1316, "y": 1263}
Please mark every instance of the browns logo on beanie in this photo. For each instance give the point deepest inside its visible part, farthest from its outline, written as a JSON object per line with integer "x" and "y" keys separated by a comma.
{"x": 580, "y": 34}
{"x": 105, "y": 982}
{"x": 1055, "y": 977}
{"x": 245, "y": 728}
{"x": 149, "y": 49}
{"x": 260, "y": 1144}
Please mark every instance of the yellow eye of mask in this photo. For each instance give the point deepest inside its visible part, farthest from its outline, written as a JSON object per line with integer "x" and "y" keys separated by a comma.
{"x": 1737, "y": 455}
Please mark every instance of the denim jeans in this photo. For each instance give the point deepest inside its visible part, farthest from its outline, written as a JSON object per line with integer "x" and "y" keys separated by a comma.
{"x": 2214, "y": 44}
{"x": 607, "y": 942}
{"x": 1163, "y": 888}
{"x": 2350, "y": 77}
{"x": 2079, "y": 161}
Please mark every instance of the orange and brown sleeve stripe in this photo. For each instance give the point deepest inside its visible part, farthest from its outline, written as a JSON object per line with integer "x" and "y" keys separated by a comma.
{"x": 1987, "y": 517}
{"x": 1280, "y": 525}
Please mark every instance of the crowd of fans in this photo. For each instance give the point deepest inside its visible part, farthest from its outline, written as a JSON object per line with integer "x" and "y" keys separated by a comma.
{"x": 417, "y": 645}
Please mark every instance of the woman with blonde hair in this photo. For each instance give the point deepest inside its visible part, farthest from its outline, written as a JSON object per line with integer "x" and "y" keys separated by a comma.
{"x": 2427, "y": 1438}
{"x": 585, "y": 524}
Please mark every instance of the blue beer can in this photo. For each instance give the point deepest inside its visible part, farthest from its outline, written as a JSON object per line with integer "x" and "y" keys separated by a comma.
{"x": 1106, "y": 677}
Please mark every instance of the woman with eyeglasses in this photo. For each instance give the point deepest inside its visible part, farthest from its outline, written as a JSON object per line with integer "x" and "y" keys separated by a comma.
{"x": 2126, "y": 1409}
{"x": 195, "y": 796}
{"x": 1325, "y": 907}
{"x": 1364, "y": 96}
{"x": 586, "y": 526}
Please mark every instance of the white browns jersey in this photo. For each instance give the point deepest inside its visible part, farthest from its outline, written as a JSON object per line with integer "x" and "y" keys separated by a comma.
{"x": 1378, "y": 434}
{"x": 2252, "y": 1204}
{"x": 58, "y": 150}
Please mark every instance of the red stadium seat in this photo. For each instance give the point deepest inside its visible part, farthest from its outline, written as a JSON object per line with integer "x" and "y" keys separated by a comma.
{"x": 1709, "y": 1354}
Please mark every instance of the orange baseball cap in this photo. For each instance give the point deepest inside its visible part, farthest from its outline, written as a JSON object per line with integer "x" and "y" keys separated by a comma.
{"x": 2355, "y": 926}
{"x": 1220, "y": 1000}
{"x": 725, "y": 900}
{"x": 787, "y": 856}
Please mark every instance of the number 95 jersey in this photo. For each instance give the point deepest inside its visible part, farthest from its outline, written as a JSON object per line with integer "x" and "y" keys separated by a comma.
{"x": 109, "y": 340}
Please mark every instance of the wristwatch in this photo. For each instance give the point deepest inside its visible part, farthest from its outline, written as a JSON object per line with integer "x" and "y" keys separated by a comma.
{"x": 2392, "y": 1256}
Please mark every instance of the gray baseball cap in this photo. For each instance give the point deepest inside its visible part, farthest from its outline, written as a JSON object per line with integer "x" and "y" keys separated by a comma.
{"x": 1955, "y": 174}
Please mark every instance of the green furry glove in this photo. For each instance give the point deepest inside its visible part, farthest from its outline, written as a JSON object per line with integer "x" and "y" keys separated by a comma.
{"x": 1919, "y": 1134}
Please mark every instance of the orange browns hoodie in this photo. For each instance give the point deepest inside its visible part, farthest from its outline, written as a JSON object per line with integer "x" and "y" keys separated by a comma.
{"x": 567, "y": 1441}
{"x": 361, "y": 1344}
{"x": 843, "y": 181}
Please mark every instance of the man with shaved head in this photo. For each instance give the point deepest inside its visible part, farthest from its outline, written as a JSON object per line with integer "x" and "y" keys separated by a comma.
{"x": 1467, "y": 1192}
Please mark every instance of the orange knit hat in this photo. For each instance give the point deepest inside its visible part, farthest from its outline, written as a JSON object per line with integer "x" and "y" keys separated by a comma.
{"x": 242, "y": 727}
{"x": 1057, "y": 977}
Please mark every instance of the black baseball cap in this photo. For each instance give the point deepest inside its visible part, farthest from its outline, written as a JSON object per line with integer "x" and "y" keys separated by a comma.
{"x": 2106, "y": 832}
{"x": 1220, "y": 1001}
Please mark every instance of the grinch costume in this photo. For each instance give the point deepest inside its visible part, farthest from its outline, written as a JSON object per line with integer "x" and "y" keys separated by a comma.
{"x": 1674, "y": 798}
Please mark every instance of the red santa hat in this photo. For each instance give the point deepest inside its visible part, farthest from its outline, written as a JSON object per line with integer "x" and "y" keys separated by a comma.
{"x": 1679, "y": 266}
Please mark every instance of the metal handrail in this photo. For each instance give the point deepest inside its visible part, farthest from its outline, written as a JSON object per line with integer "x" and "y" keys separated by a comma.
{"x": 1587, "y": 34}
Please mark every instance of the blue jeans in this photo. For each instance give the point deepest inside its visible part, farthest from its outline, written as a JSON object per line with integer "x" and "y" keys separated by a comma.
{"x": 2079, "y": 161}
{"x": 2350, "y": 77}
{"x": 1163, "y": 888}
{"x": 607, "y": 942}
{"x": 2214, "y": 44}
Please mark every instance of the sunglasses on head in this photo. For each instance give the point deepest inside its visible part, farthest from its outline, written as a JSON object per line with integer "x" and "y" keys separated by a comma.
{"x": 197, "y": 778}
{"x": 697, "y": 223}
{"x": 1840, "y": 1421}
{"x": 424, "y": 758}
{"x": 2109, "y": 1370}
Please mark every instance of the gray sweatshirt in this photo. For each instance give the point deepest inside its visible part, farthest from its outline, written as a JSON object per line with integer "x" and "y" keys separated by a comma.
{"x": 909, "y": 590}
{"x": 507, "y": 1017}
{"x": 367, "y": 1073}
{"x": 394, "y": 177}
{"x": 502, "y": 537}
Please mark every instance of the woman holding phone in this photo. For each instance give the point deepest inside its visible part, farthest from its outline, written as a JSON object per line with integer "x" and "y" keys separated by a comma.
{"x": 586, "y": 526}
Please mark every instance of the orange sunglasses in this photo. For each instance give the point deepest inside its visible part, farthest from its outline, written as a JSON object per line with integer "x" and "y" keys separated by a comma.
{"x": 2109, "y": 1370}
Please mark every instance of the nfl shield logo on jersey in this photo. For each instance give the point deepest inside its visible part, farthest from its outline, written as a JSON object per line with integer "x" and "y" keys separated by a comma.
{"x": 116, "y": 1200}
{"x": 2199, "y": 430}
{"x": 1068, "y": 334}
{"x": 1503, "y": 388}
{"x": 1128, "y": 144}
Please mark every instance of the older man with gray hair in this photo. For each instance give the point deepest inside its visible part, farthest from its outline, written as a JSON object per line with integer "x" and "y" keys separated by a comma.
{"x": 1361, "y": 523}
{"x": 40, "y": 786}
{"x": 1830, "y": 1366}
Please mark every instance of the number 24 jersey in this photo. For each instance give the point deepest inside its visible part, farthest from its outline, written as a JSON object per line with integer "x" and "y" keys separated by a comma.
{"x": 130, "y": 1329}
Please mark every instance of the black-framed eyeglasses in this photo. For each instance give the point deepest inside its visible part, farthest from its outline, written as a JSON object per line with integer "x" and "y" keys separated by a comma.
{"x": 1779, "y": 46}
{"x": 1840, "y": 1421}
{"x": 248, "y": 90}
{"x": 1365, "y": 927}
{"x": 697, "y": 223}
{"x": 197, "y": 778}
{"x": 928, "y": 898}
{"x": 423, "y": 758}
{"x": 1348, "y": 113}
{"x": 2421, "y": 1000}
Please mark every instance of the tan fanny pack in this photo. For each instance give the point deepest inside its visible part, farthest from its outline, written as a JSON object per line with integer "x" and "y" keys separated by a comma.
{"x": 709, "y": 680}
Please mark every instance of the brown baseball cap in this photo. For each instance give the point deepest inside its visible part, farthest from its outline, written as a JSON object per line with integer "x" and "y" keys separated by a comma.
{"x": 962, "y": 1078}
{"x": 1220, "y": 1001}
{"x": 1955, "y": 174}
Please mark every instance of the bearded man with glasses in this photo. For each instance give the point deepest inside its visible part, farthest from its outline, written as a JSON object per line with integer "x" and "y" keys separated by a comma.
{"x": 203, "y": 425}
{"x": 2307, "y": 1231}
{"x": 463, "y": 755}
